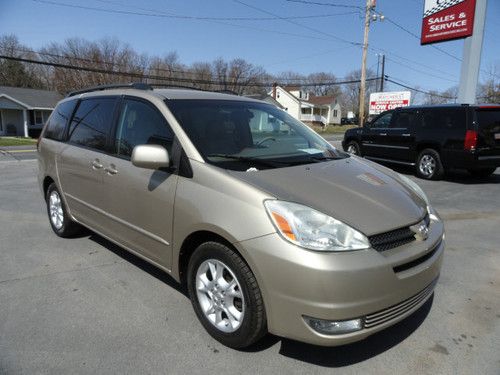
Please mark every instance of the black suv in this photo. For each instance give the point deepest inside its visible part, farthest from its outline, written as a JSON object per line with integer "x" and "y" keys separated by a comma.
{"x": 432, "y": 138}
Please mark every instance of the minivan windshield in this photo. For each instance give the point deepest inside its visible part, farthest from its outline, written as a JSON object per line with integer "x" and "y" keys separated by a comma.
{"x": 242, "y": 136}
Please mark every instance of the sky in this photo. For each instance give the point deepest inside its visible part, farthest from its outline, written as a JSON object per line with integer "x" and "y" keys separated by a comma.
{"x": 321, "y": 40}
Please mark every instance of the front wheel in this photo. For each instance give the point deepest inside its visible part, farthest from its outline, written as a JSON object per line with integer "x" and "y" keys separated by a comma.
{"x": 429, "y": 165}
{"x": 225, "y": 295}
{"x": 353, "y": 148}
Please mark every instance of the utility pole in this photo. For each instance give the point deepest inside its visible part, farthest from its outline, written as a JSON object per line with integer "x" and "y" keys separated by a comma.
{"x": 362, "y": 88}
{"x": 370, "y": 4}
{"x": 382, "y": 78}
{"x": 471, "y": 62}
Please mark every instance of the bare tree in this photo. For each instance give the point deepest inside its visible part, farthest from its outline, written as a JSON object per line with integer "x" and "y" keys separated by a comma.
{"x": 350, "y": 91}
{"x": 320, "y": 86}
{"x": 16, "y": 73}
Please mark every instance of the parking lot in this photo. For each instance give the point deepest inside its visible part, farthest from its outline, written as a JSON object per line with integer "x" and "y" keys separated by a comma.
{"x": 86, "y": 306}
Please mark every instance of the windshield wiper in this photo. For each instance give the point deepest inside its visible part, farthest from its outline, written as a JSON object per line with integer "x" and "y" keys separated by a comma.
{"x": 267, "y": 163}
{"x": 325, "y": 158}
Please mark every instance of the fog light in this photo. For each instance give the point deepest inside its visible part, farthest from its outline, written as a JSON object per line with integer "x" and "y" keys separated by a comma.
{"x": 331, "y": 327}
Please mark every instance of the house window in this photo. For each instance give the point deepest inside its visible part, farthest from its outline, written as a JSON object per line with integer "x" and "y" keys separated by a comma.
{"x": 1, "y": 123}
{"x": 38, "y": 117}
{"x": 335, "y": 112}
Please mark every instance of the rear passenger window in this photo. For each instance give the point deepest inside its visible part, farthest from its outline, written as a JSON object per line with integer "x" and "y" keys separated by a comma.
{"x": 140, "y": 124}
{"x": 58, "y": 120}
{"x": 92, "y": 122}
{"x": 404, "y": 120}
{"x": 446, "y": 119}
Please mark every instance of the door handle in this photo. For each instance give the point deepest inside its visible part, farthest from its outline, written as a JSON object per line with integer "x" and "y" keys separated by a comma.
{"x": 96, "y": 164}
{"x": 111, "y": 169}
{"x": 383, "y": 134}
{"x": 406, "y": 134}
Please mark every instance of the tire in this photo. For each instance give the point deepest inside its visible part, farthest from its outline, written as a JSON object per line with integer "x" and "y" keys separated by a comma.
{"x": 482, "y": 172}
{"x": 59, "y": 220}
{"x": 429, "y": 165}
{"x": 246, "y": 306}
{"x": 353, "y": 148}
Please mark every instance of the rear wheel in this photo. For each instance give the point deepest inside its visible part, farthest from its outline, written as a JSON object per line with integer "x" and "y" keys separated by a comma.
{"x": 225, "y": 295}
{"x": 482, "y": 172}
{"x": 429, "y": 165}
{"x": 353, "y": 148}
{"x": 61, "y": 223}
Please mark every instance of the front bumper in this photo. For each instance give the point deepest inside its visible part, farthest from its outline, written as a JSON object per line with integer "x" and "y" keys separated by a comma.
{"x": 341, "y": 286}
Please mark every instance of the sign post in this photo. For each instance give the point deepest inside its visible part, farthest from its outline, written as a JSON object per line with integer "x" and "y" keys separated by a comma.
{"x": 453, "y": 19}
{"x": 471, "y": 61}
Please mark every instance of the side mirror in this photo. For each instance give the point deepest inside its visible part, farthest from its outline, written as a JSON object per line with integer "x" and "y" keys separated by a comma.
{"x": 150, "y": 157}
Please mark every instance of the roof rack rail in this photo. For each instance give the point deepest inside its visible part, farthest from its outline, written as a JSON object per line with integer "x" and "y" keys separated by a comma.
{"x": 176, "y": 86}
{"x": 226, "y": 91}
{"x": 133, "y": 85}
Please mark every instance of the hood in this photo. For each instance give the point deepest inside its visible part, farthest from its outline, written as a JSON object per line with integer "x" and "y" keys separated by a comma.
{"x": 362, "y": 194}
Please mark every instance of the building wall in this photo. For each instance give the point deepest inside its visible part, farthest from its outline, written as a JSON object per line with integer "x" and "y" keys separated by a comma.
{"x": 332, "y": 119}
{"x": 13, "y": 117}
{"x": 290, "y": 104}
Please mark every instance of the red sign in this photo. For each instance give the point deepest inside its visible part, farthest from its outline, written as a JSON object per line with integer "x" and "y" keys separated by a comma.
{"x": 447, "y": 19}
{"x": 384, "y": 101}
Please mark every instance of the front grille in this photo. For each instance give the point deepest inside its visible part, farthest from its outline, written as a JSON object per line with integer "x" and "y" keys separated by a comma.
{"x": 399, "y": 309}
{"x": 394, "y": 238}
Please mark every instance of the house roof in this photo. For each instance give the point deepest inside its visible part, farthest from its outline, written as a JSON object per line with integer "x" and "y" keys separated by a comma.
{"x": 266, "y": 98}
{"x": 291, "y": 88}
{"x": 31, "y": 98}
{"x": 321, "y": 100}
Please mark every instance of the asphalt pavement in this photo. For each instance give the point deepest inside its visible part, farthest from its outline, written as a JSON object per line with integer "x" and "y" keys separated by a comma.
{"x": 85, "y": 306}
{"x": 10, "y": 153}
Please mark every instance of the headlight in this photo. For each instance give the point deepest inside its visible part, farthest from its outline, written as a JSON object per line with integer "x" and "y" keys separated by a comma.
{"x": 311, "y": 229}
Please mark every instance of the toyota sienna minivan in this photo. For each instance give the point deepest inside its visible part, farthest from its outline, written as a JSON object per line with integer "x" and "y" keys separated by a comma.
{"x": 271, "y": 228}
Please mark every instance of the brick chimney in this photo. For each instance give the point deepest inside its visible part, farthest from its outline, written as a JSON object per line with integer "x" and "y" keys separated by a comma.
{"x": 274, "y": 90}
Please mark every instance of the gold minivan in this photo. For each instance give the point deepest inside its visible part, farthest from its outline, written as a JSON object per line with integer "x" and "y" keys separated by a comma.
{"x": 271, "y": 228}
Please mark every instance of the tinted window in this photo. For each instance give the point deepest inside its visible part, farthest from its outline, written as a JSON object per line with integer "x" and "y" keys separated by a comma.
{"x": 404, "y": 120}
{"x": 489, "y": 119}
{"x": 382, "y": 122}
{"x": 58, "y": 120}
{"x": 450, "y": 119}
{"x": 92, "y": 122}
{"x": 141, "y": 124}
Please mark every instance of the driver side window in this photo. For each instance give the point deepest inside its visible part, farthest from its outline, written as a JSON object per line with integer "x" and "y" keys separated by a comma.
{"x": 382, "y": 122}
{"x": 140, "y": 124}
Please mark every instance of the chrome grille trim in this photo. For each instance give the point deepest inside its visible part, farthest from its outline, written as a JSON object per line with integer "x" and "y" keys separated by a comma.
{"x": 395, "y": 238}
{"x": 399, "y": 309}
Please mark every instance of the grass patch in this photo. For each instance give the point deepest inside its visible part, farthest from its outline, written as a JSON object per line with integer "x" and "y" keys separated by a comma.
{"x": 16, "y": 141}
{"x": 332, "y": 129}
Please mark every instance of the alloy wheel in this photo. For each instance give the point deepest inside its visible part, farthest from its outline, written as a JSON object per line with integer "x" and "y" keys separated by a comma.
{"x": 220, "y": 295}
{"x": 56, "y": 210}
{"x": 427, "y": 165}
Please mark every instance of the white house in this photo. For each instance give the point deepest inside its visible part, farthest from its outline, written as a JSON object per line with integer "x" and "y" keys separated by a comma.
{"x": 24, "y": 111}
{"x": 307, "y": 107}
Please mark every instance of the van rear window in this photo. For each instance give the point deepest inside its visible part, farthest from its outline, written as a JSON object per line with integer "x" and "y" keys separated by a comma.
{"x": 58, "y": 120}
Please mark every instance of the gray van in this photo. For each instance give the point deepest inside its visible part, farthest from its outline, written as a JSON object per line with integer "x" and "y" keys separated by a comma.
{"x": 271, "y": 228}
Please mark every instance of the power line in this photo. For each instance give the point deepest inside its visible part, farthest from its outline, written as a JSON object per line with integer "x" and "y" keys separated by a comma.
{"x": 421, "y": 71}
{"x": 158, "y": 14}
{"x": 299, "y": 24}
{"x": 169, "y": 79}
{"x": 418, "y": 90}
{"x": 326, "y": 4}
